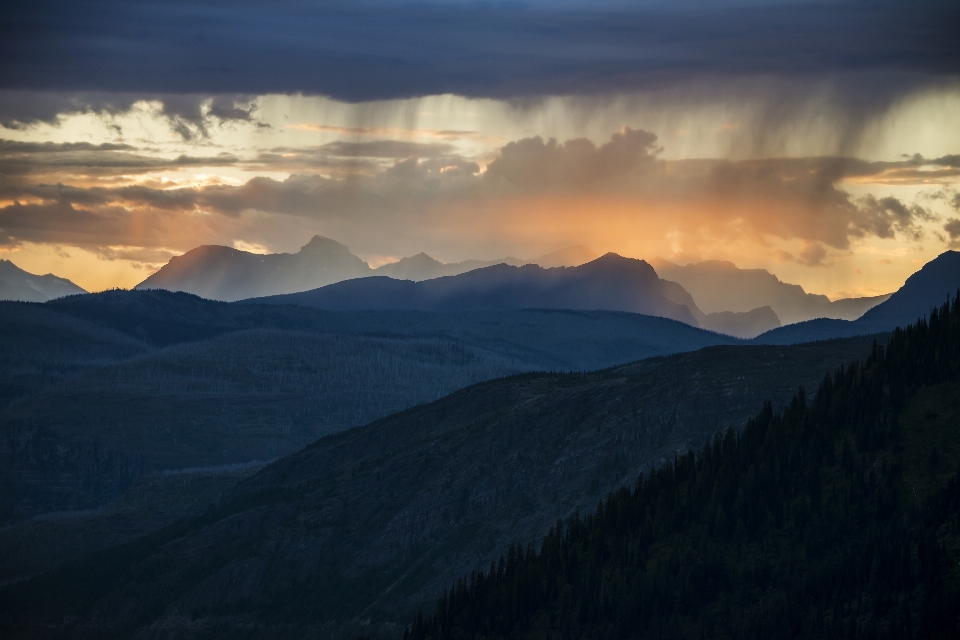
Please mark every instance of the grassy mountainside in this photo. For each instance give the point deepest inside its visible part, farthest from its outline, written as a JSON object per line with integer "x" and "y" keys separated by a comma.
{"x": 840, "y": 518}
{"x": 371, "y": 523}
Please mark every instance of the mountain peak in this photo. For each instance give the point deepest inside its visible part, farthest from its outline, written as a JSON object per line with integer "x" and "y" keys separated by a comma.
{"x": 17, "y": 284}
{"x": 322, "y": 243}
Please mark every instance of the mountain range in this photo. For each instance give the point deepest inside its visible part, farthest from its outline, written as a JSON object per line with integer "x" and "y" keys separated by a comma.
{"x": 223, "y": 273}
{"x": 929, "y": 287}
{"x": 17, "y": 284}
{"x": 720, "y": 297}
{"x": 610, "y": 283}
{"x": 720, "y": 286}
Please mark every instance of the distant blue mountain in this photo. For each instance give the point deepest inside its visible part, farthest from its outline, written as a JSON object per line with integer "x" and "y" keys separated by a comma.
{"x": 927, "y": 288}
{"x": 17, "y": 284}
{"x": 610, "y": 283}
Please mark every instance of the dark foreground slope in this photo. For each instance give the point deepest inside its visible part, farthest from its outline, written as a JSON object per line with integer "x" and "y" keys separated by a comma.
{"x": 370, "y": 524}
{"x": 837, "y": 519}
{"x": 929, "y": 287}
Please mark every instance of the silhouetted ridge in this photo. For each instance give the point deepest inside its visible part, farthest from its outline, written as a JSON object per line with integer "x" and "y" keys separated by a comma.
{"x": 801, "y": 526}
{"x": 611, "y": 283}
{"x": 926, "y": 289}
{"x": 720, "y": 286}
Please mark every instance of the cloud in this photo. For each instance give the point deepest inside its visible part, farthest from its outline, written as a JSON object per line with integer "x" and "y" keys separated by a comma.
{"x": 885, "y": 217}
{"x": 379, "y": 50}
{"x": 106, "y": 224}
{"x": 388, "y": 149}
{"x": 952, "y": 227}
{"x": 188, "y": 115}
{"x": 533, "y": 186}
{"x": 532, "y": 163}
{"x": 80, "y": 158}
{"x": 381, "y": 132}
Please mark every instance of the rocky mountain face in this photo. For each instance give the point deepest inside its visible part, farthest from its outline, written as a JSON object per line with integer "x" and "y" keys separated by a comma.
{"x": 17, "y": 284}
{"x": 355, "y": 532}
{"x": 927, "y": 288}
{"x": 720, "y": 286}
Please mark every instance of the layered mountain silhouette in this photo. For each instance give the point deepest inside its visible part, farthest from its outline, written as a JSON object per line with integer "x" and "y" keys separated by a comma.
{"x": 924, "y": 290}
{"x": 611, "y": 283}
{"x": 720, "y": 286}
{"x": 423, "y": 267}
{"x": 223, "y": 273}
{"x": 17, "y": 284}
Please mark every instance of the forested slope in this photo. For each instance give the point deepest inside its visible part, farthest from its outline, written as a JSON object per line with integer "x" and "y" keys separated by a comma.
{"x": 838, "y": 518}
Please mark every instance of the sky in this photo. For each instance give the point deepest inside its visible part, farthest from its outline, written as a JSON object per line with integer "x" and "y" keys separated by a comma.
{"x": 818, "y": 140}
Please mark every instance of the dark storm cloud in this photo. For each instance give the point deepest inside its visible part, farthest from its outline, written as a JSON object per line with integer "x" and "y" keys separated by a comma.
{"x": 188, "y": 115}
{"x": 531, "y": 162}
{"x": 373, "y": 50}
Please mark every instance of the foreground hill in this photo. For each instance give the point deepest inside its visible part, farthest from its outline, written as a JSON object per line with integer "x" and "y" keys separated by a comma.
{"x": 17, "y": 284}
{"x": 836, "y": 519}
{"x": 719, "y": 286}
{"x": 370, "y": 524}
{"x": 929, "y": 287}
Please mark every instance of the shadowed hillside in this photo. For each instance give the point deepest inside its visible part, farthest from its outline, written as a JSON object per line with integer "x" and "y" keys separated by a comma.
{"x": 373, "y": 522}
{"x": 176, "y": 381}
{"x": 836, "y": 519}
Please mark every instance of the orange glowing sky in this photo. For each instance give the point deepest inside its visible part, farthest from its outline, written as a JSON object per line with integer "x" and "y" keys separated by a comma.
{"x": 843, "y": 209}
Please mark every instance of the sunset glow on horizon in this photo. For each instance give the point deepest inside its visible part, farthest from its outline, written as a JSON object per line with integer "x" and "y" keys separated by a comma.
{"x": 844, "y": 181}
